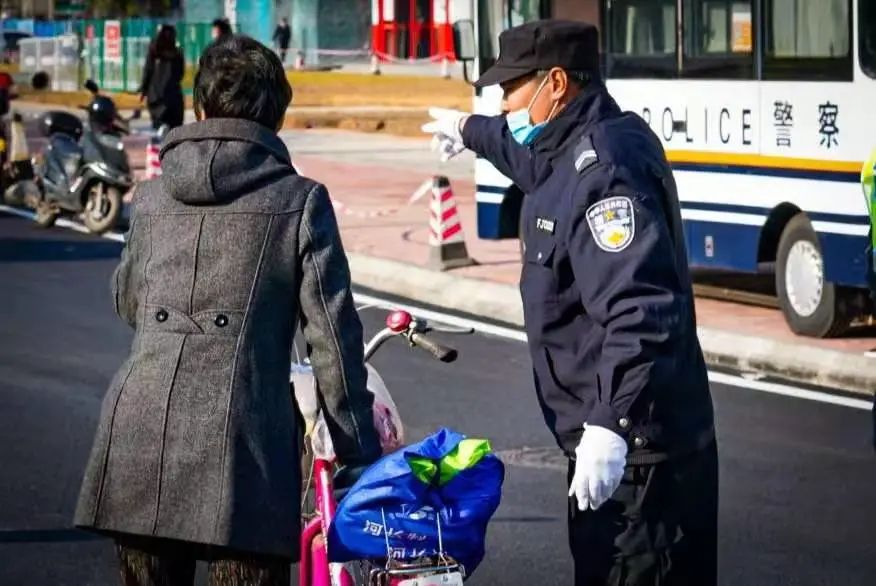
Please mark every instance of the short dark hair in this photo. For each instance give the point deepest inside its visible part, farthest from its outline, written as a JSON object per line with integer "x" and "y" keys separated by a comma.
{"x": 238, "y": 77}
{"x": 577, "y": 78}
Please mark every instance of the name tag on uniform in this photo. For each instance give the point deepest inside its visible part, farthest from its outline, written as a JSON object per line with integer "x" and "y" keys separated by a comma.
{"x": 545, "y": 225}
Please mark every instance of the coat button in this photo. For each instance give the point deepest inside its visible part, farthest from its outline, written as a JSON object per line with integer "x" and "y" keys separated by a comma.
{"x": 221, "y": 320}
{"x": 161, "y": 315}
{"x": 624, "y": 423}
{"x": 639, "y": 442}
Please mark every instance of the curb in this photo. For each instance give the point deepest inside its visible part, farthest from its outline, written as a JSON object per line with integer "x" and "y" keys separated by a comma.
{"x": 853, "y": 373}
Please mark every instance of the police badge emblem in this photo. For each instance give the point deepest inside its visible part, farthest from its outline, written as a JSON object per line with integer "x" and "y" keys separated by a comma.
{"x": 612, "y": 223}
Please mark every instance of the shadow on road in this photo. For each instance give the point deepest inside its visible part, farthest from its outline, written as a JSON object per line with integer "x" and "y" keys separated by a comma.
{"x": 47, "y": 536}
{"x": 28, "y": 250}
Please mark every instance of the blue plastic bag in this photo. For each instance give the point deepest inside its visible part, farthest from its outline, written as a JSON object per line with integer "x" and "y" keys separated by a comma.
{"x": 446, "y": 476}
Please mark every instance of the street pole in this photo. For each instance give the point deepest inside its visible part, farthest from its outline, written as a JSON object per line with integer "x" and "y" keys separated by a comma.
{"x": 231, "y": 13}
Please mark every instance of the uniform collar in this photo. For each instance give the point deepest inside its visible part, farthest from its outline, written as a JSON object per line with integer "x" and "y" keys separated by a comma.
{"x": 591, "y": 105}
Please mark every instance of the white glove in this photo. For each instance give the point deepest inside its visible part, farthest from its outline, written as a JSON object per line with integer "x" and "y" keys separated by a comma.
{"x": 446, "y": 147}
{"x": 446, "y": 130}
{"x": 599, "y": 467}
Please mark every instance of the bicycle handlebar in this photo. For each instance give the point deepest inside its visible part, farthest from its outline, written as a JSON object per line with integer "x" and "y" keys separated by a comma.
{"x": 436, "y": 349}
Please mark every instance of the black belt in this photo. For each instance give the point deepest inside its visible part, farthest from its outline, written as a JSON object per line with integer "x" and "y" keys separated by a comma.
{"x": 648, "y": 457}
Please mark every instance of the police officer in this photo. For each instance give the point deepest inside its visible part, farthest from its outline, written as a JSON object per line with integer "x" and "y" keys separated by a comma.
{"x": 608, "y": 307}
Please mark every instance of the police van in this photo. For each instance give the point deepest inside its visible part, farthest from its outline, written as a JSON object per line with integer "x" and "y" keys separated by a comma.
{"x": 766, "y": 111}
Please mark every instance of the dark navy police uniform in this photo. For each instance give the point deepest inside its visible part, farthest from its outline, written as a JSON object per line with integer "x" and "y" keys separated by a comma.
{"x": 609, "y": 314}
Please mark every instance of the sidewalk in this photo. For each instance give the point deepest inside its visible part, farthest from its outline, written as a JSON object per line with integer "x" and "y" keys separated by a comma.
{"x": 387, "y": 240}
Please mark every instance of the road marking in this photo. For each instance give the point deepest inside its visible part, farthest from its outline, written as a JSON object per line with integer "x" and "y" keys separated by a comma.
{"x": 789, "y": 391}
{"x": 63, "y": 223}
{"x": 715, "y": 377}
{"x": 520, "y": 336}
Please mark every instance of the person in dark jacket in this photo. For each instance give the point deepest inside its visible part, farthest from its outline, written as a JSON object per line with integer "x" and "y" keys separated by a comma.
{"x": 282, "y": 38}
{"x": 162, "y": 80}
{"x": 197, "y": 451}
{"x": 608, "y": 309}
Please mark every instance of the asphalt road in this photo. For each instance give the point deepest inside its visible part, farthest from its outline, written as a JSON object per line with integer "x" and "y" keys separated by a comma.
{"x": 797, "y": 477}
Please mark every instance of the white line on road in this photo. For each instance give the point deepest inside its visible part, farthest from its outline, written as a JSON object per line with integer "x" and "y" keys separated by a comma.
{"x": 715, "y": 377}
{"x": 789, "y": 391}
{"x": 520, "y": 336}
{"x": 63, "y": 223}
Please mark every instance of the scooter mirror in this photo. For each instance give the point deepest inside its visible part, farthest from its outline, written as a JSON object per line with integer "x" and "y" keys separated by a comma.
{"x": 91, "y": 86}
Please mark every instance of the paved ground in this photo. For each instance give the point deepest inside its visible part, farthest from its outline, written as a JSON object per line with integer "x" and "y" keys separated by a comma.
{"x": 797, "y": 476}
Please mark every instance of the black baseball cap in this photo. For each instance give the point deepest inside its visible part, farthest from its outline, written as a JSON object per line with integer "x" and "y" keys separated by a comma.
{"x": 541, "y": 45}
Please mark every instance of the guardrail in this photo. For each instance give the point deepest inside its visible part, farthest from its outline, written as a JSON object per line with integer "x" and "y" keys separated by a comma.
{"x": 57, "y": 56}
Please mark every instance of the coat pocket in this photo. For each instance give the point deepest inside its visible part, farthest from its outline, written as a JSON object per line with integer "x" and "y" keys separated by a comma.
{"x": 538, "y": 285}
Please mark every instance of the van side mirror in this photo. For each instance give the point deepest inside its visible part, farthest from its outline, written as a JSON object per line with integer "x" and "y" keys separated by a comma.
{"x": 464, "y": 40}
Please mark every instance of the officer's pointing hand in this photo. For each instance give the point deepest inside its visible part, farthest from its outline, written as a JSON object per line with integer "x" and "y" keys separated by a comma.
{"x": 599, "y": 467}
{"x": 446, "y": 131}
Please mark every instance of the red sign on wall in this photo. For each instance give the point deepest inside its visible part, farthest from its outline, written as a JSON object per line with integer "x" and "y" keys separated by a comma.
{"x": 112, "y": 41}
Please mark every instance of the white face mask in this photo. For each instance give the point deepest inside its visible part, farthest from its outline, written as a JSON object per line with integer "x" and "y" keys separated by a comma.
{"x": 520, "y": 122}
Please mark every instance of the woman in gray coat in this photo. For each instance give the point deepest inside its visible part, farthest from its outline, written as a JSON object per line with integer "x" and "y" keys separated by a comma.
{"x": 196, "y": 454}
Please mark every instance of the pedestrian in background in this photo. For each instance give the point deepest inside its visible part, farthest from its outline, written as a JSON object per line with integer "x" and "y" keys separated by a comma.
{"x": 608, "y": 309}
{"x": 221, "y": 28}
{"x": 197, "y": 453}
{"x": 163, "y": 72}
{"x": 282, "y": 38}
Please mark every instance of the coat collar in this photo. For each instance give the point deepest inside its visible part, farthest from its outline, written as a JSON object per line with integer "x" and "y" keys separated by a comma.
{"x": 591, "y": 105}
{"x": 225, "y": 129}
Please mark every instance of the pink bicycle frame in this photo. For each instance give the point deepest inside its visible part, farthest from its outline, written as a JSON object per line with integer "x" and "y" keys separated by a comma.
{"x": 314, "y": 568}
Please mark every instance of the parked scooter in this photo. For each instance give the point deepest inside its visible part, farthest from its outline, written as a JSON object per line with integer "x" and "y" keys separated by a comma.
{"x": 84, "y": 169}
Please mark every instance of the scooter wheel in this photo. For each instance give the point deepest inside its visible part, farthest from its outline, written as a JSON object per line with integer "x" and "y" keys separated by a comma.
{"x": 103, "y": 207}
{"x": 45, "y": 215}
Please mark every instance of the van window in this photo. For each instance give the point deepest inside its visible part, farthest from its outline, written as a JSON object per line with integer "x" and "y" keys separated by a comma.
{"x": 867, "y": 37}
{"x": 642, "y": 38}
{"x": 808, "y": 40}
{"x": 718, "y": 39}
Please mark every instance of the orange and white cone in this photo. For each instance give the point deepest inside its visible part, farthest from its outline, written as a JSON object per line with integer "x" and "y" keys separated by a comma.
{"x": 153, "y": 162}
{"x": 446, "y": 241}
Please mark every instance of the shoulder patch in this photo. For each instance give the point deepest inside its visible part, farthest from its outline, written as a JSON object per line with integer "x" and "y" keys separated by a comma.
{"x": 585, "y": 154}
{"x": 612, "y": 222}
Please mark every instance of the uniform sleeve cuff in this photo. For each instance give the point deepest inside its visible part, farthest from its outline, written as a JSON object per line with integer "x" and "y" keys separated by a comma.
{"x": 475, "y": 126}
{"x": 610, "y": 418}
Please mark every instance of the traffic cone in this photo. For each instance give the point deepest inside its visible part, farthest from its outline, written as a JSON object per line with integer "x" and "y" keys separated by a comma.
{"x": 153, "y": 161}
{"x": 446, "y": 241}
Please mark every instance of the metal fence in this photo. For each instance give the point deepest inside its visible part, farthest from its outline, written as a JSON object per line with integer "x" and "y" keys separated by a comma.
{"x": 58, "y": 56}
{"x": 115, "y": 64}
{"x": 121, "y": 72}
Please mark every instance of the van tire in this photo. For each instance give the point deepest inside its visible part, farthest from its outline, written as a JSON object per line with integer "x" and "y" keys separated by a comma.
{"x": 812, "y": 306}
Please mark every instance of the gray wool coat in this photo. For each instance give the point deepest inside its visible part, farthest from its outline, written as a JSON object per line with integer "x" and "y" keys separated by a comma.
{"x": 228, "y": 252}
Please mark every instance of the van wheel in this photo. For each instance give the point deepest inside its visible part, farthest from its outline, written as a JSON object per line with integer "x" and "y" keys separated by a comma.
{"x": 812, "y": 305}
{"x": 103, "y": 207}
